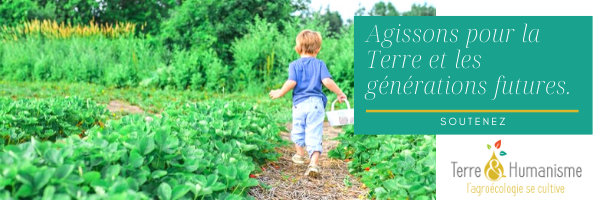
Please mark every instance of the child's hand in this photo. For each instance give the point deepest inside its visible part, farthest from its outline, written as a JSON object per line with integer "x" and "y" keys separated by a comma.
{"x": 275, "y": 94}
{"x": 342, "y": 97}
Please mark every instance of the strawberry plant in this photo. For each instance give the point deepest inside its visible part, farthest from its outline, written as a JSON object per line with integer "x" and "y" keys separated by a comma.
{"x": 150, "y": 100}
{"x": 56, "y": 171}
{"x": 47, "y": 119}
{"x": 391, "y": 166}
{"x": 202, "y": 150}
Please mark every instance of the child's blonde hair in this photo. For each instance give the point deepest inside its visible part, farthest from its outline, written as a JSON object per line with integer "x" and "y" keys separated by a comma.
{"x": 308, "y": 42}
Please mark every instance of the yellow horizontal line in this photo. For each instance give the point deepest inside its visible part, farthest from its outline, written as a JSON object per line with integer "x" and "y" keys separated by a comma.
{"x": 472, "y": 111}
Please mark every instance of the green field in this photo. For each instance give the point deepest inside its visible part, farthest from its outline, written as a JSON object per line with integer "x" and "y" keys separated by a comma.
{"x": 60, "y": 141}
{"x": 61, "y": 148}
{"x": 123, "y": 104}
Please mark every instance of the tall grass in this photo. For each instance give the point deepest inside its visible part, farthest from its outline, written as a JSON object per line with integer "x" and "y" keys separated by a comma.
{"x": 53, "y": 30}
{"x": 113, "y": 62}
{"x": 112, "y": 56}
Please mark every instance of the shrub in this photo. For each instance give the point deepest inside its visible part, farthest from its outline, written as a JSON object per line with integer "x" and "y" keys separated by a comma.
{"x": 402, "y": 167}
{"x": 263, "y": 55}
{"x": 121, "y": 62}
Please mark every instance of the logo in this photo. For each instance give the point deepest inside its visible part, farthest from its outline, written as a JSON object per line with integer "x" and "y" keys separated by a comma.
{"x": 494, "y": 170}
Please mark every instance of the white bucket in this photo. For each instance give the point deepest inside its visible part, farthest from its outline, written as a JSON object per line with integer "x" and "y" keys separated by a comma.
{"x": 340, "y": 117}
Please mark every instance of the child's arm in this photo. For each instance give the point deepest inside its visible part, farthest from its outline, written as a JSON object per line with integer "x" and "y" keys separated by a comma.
{"x": 287, "y": 86}
{"x": 330, "y": 84}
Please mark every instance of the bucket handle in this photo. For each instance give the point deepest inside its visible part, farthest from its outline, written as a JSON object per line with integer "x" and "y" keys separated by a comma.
{"x": 333, "y": 104}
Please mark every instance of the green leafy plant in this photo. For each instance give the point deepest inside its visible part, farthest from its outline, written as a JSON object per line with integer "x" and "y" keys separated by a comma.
{"x": 48, "y": 119}
{"x": 402, "y": 167}
{"x": 193, "y": 150}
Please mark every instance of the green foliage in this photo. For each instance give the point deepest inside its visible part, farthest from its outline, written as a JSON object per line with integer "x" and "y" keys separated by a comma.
{"x": 338, "y": 55}
{"x": 196, "y": 57}
{"x": 113, "y": 62}
{"x": 73, "y": 11}
{"x": 215, "y": 24}
{"x": 334, "y": 21}
{"x": 49, "y": 30}
{"x": 402, "y": 167}
{"x": 151, "y": 100}
{"x": 56, "y": 148}
{"x": 383, "y": 9}
{"x": 263, "y": 55}
{"x": 420, "y": 10}
{"x": 254, "y": 53}
{"x": 149, "y": 13}
{"x": 47, "y": 119}
{"x": 199, "y": 150}
{"x": 14, "y": 11}
{"x": 43, "y": 12}
{"x": 194, "y": 70}
{"x": 261, "y": 60}
{"x": 189, "y": 27}
{"x": 215, "y": 71}
{"x": 360, "y": 11}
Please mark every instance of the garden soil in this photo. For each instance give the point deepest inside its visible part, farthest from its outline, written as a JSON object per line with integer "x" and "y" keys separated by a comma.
{"x": 286, "y": 180}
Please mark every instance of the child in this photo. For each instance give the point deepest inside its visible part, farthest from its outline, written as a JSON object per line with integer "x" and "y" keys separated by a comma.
{"x": 307, "y": 75}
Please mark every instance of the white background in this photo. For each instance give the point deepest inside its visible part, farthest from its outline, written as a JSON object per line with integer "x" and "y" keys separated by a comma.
{"x": 576, "y": 150}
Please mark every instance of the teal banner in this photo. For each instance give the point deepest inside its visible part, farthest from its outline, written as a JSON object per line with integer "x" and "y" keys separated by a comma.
{"x": 473, "y": 75}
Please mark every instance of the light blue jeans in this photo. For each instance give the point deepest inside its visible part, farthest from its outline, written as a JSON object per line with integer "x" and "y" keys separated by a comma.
{"x": 307, "y": 129}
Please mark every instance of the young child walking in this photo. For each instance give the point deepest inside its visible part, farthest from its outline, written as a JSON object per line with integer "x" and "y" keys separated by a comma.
{"x": 307, "y": 75}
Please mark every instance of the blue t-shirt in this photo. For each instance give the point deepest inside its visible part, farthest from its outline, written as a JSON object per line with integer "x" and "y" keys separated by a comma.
{"x": 308, "y": 72}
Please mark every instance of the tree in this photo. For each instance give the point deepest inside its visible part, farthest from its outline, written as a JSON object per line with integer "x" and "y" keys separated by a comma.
{"x": 360, "y": 11}
{"x": 392, "y": 10}
{"x": 15, "y": 11}
{"x": 302, "y": 8}
{"x": 72, "y": 11}
{"x": 149, "y": 13}
{"x": 215, "y": 24}
{"x": 334, "y": 19}
{"x": 420, "y": 10}
{"x": 141, "y": 12}
{"x": 383, "y": 9}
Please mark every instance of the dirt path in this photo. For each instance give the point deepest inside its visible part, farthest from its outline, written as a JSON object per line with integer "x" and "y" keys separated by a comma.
{"x": 287, "y": 180}
{"x": 115, "y": 106}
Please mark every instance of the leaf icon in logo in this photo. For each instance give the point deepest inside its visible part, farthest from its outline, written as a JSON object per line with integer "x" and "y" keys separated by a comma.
{"x": 489, "y": 146}
{"x": 497, "y": 145}
{"x": 502, "y": 153}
